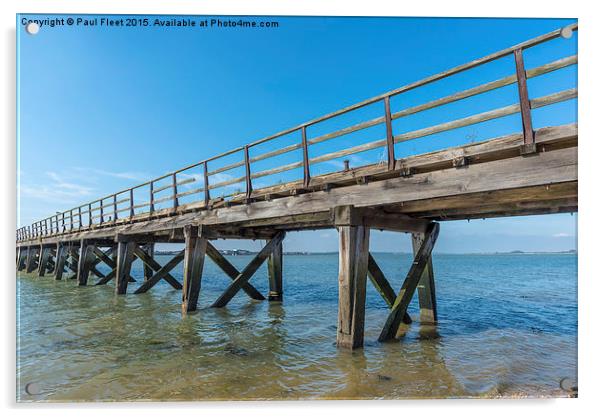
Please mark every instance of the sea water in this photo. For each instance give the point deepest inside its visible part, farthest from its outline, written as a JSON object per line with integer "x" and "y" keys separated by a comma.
{"x": 507, "y": 327}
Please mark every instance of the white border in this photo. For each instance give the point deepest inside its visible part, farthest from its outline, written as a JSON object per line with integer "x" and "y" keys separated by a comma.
{"x": 590, "y": 275}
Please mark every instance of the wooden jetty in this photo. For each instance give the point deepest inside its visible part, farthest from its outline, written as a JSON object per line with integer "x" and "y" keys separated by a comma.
{"x": 533, "y": 171}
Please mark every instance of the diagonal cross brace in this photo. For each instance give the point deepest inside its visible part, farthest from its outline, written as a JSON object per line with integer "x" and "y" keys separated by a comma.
{"x": 400, "y": 306}
{"x": 378, "y": 279}
{"x": 104, "y": 257}
{"x": 248, "y": 272}
{"x": 155, "y": 266}
{"x": 148, "y": 284}
{"x": 230, "y": 270}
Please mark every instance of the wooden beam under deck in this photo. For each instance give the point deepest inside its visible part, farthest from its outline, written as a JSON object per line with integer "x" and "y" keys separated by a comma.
{"x": 544, "y": 177}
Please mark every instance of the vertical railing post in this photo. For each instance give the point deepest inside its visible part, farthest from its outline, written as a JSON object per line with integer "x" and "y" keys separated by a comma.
{"x": 174, "y": 187}
{"x": 248, "y": 172}
{"x": 131, "y": 203}
{"x": 90, "y": 215}
{"x": 102, "y": 213}
{"x": 306, "y": 174}
{"x": 525, "y": 105}
{"x": 79, "y": 217}
{"x": 151, "y": 202}
{"x": 71, "y": 219}
{"x": 114, "y": 207}
{"x": 63, "y": 222}
{"x": 206, "y": 179}
{"x": 45, "y": 227}
{"x": 390, "y": 139}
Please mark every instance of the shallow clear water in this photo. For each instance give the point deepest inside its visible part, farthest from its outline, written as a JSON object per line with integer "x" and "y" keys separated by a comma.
{"x": 508, "y": 327}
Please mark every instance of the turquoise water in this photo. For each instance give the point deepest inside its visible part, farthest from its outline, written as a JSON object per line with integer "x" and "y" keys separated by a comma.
{"x": 508, "y": 327}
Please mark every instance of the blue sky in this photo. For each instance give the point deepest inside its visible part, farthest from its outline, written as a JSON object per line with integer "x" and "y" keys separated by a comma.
{"x": 101, "y": 109}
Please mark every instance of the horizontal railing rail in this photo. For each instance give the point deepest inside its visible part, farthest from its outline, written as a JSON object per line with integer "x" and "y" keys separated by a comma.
{"x": 171, "y": 188}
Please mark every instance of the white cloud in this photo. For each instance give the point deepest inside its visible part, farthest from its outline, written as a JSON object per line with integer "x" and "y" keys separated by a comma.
{"x": 56, "y": 189}
{"x": 561, "y": 235}
{"x": 125, "y": 175}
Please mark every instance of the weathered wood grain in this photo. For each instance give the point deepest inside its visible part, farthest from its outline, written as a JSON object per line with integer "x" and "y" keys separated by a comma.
{"x": 392, "y": 325}
{"x": 231, "y": 271}
{"x": 194, "y": 259}
{"x": 125, "y": 257}
{"x": 380, "y": 282}
{"x": 61, "y": 257}
{"x": 148, "y": 284}
{"x": 275, "y": 273}
{"x": 427, "y": 299}
{"x": 248, "y": 271}
{"x": 153, "y": 265}
{"x": 353, "y": 270}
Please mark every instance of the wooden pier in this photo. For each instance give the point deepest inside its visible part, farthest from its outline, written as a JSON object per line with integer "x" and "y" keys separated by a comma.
{"x": 533, "y": 171}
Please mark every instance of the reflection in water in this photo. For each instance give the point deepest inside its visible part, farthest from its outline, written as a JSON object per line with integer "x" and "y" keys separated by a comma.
{"x": 510, "y": 336}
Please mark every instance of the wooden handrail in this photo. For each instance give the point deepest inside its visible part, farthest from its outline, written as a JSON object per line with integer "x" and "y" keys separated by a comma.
{"x": 47, "y": 226}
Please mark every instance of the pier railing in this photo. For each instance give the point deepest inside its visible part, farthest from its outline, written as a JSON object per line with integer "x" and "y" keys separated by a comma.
{"x": 142, "y": 201}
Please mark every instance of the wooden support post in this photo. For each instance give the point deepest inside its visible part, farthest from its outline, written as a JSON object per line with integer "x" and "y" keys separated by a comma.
{"x": 132, "y": 212}
{"x": 125, "y": 257}
{"x": 275, "y": 274}
{"x": 174, "y": 190}
{"x": 115, "y": 207}
{"x": 22, "y": 259}
{"x": 32, "y": 254}
{"x": 248, "y": 272}
{"x": 206, "y": 184}
{"x": 306, "y": 173}
{"x": 525, "y": 105}
{"x": 231, "y": 271}
{"x": 249, "y": 183}
{"x": 149, "y": 249}
{"x": 390, "y": 140}
{"x": 392, "y": 325}
{"x": 61, "y": 256}
{"x": 354, "y": 241}
{"x": 194, "y": 259}
{"x": 84, "y": 264}
{"x": 43, "y": 262}
{"x": 426, "y": 285}
{"x": 51, "y": 264}
{"x": 151, "y": 201}
{"x": 74, "y": 262}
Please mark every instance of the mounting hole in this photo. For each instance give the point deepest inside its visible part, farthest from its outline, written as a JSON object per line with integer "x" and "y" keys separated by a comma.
{"x": 33, "y": 388}
{"x": 566, "y": 32}
{"x": 32, "y": 28}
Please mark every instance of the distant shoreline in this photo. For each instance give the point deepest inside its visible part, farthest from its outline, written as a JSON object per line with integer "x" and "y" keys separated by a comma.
{"x": 242, "y": 252}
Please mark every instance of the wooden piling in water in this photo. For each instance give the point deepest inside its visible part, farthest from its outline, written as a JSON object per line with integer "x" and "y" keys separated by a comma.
{"x": 43, "y": 261}
{"x": 86, "y": 257}
{"x": 426, "y": 286}
{"x": 275, "y": 274}
{"x": 21, "y": 258}
{"x": 354, "y": 239}
{"x": 32, "y": 258}
{"x": 149, "y": 248}
{"x": 61, "y": 257}
{"x": 194, "y": 260}
{"x": 125, "y": 257}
